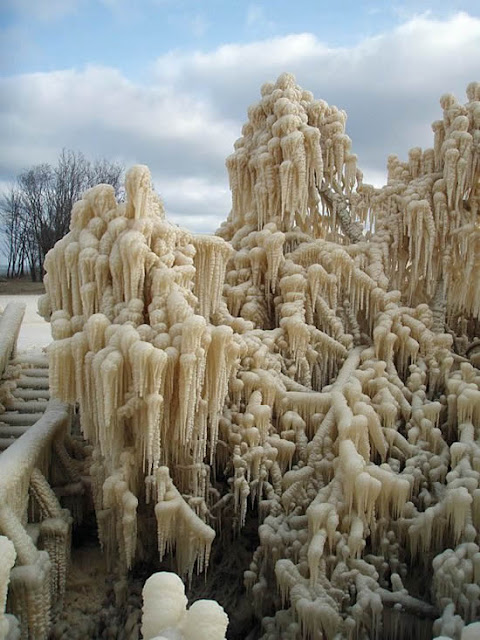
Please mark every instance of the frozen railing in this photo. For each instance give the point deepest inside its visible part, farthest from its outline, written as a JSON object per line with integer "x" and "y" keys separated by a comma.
{"x": 32, "y": 450}
{"x": 38, "y": 577}
{"x": 42, "y": 547}
{"x": 10, "y": 323}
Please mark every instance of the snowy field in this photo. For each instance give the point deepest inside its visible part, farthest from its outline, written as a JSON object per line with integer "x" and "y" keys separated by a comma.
{"x": 35, "y": 332}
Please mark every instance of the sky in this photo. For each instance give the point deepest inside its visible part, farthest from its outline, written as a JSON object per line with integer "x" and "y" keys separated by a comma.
{"x": 167, "y": 83}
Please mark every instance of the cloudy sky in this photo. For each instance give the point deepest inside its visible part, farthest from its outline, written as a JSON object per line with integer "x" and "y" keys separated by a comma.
{"x": 168, "y": 82}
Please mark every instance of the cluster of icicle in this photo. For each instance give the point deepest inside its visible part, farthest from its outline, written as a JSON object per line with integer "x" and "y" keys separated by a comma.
{"x": 149, "y": 372}
{"x": 293, "y": 366}
{"x": 430, "y": 210}
{"x": 292, "y": 150}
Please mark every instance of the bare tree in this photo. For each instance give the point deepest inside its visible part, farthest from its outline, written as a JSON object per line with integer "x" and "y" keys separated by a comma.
{"x": 14, "y": 245}
{"x": 36, "y": 210}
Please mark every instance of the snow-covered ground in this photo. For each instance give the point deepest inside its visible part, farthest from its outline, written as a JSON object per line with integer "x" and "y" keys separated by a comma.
{"x": 35, "y": 332}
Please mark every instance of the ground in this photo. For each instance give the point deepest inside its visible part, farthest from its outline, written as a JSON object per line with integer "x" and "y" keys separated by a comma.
{"x": 20, "y": 286}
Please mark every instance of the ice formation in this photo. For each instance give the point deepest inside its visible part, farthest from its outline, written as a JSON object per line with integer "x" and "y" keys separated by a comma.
{"x": 165, "y": 613}
{"x": 310, "y": 363}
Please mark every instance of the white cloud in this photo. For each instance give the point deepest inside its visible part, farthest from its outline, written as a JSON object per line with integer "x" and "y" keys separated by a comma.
{"x": 195, "y": 203}
{"x": 403, "y": 58}
{"x": 100, "y": 112}
{"x": 389, "y": 84}
{"x": 184, "y": 122}
{"x": 100, "y": 105}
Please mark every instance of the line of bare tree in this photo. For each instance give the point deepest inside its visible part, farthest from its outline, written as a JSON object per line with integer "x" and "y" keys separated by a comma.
{"x": 35, "y": 211}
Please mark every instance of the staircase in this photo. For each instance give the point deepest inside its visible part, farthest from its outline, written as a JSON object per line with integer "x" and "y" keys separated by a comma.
{"x": 25, "y": 397}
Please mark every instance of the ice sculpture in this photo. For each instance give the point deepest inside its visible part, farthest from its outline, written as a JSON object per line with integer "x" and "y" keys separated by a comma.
{"x": 309, "y": 362}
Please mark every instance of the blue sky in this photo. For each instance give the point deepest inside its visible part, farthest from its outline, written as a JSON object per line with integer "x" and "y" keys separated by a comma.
{"x": 168, "y": 82}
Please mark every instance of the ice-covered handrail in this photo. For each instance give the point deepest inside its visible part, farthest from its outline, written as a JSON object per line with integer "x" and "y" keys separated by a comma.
{"x": 10, "y": 322}
{"x": 38, "y": 576}
{"x": 23, "y": 455}
{"x": 16, "y": 466}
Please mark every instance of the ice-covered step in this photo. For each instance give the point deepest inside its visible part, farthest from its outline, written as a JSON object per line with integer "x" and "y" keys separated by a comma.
{"x": 35, "y": 372}
{"x": 31, "y": 394}
{"x": 23, "y": 419}
{"x": 26, "y": 398}
{"x": 12, "y": 431}
{"x": 25, "y": 382}
{"x": 27, "y": 406}
{"x": 39, "y": 361}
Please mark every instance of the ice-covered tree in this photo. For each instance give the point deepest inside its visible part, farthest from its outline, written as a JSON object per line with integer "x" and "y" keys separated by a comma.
{"x": 308, "y": 364}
